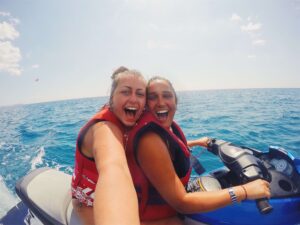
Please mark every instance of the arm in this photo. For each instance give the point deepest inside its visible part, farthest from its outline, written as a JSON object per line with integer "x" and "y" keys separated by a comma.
{"x": 155, "y": 161}
{"x": 198, "y": 142}
{"x": 115, "y": 197}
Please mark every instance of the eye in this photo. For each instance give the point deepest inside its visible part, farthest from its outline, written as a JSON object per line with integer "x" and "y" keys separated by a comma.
{"x": 168, "y": 95}
{"x": 125, "y": 92}
{"x": 140, "y": 94}
{"x": 152, "y": 97}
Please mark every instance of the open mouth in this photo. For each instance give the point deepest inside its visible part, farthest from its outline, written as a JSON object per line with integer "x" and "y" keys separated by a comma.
{"x": 162, "y": 115}
{"x": 130, "y": 111}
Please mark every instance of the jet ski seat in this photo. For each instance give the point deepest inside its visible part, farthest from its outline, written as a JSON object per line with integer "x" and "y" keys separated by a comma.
{"x": 47, "y": 194}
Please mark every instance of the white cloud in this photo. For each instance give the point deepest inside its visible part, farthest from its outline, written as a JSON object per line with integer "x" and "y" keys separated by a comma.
{"x": 10, "y": 57}
{"x": 259, "y": 42}
{"x": 8, "y": 31}
{"x": 35, "y": 66}
{"x": 14, "y": 21}
{"x": 251, "y": 27}
{"x": 4, "y": 14}
{"x": 235, "y": 18}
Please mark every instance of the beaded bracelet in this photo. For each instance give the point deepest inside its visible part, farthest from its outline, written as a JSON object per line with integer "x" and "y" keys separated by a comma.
{"x": 246, "y": 196}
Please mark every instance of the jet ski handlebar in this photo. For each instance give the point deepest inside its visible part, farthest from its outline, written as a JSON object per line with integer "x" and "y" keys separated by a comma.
{"x": 246, "y": 166}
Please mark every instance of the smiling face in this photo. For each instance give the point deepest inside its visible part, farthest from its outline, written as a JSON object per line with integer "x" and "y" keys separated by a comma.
{"x": 162, "y": 101}
{"x": 129, "y": 98}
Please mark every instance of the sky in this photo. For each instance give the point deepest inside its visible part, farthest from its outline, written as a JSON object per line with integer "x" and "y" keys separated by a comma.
{"x": 65, "y": 49}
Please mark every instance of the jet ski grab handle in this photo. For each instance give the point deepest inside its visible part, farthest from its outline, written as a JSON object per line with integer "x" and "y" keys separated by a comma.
{"x": 244, "y": 164}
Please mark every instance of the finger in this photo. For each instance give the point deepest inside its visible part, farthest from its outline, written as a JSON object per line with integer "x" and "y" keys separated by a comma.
{"x": 268, "y": 192}
{"x": 266, "y": 183}
{"x": 266, "y": 188}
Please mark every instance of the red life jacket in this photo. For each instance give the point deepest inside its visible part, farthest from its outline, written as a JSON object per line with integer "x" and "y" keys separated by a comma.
{"x": 85, "y": 175}
{"x": 151, "y": 205}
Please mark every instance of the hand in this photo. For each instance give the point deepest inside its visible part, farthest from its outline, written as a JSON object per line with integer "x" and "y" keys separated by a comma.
{"x": 203, "y": 141}
{"x": 258, "y": 189}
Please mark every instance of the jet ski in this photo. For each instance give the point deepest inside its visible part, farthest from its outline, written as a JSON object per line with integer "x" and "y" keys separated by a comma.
{"x": 243, "y": 164}
{"x": 46, "y": 197}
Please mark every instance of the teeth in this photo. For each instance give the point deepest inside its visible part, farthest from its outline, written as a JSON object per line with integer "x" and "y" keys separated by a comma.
{"x": 130, "y": 111}
{"x": 162, "y": 111}
{"x": 131, "y": 108}
{"x": 162, "y": 114}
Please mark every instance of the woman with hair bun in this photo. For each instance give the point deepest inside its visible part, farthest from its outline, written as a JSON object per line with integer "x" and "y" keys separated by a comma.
{"x": 102, "y": 187}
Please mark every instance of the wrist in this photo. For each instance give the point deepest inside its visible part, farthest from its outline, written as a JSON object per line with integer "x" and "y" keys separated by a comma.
{"x": 241, "y": 193}
{"x": 245, "y": 192}
{"x": 232, "y": 195}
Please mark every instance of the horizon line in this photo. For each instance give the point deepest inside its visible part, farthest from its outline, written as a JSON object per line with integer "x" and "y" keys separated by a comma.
{"x": 102, "y": 96}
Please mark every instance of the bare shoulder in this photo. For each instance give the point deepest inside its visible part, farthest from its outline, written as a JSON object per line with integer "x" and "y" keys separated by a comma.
{"x": 102, "y": 131}
{"x": 151, "y": 144}
{"x": 150, "y": 138}
{"x": 105, "y": 127}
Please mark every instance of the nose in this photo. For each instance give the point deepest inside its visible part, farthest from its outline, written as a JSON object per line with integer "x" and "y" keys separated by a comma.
{"x": 133, "y": 98}
{"x": 160, "y": 101}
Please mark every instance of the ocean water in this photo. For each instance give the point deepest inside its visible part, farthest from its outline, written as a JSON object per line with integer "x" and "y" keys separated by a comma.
{"x": 44, "y": 134}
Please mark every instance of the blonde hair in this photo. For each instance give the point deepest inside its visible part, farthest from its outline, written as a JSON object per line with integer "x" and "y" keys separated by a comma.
{"x": 121, "y": 71}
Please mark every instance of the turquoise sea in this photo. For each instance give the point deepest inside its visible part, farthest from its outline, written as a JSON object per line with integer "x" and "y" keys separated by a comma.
{"x": 44, "y": 134}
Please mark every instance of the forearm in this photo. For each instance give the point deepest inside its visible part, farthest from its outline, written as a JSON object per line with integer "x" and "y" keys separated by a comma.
{"x": 115, "y": 197}
{"x": 198, "y": 142}
{"x": 192, "y": 143}
{"x": 208, "y": 201}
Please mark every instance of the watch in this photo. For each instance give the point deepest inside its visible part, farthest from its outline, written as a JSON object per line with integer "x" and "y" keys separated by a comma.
{"x": 232, "y": 195}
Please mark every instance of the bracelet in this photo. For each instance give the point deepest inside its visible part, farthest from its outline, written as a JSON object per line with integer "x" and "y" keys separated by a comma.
{"x": 246, "y": 196}
{"x": 232, "y": 195}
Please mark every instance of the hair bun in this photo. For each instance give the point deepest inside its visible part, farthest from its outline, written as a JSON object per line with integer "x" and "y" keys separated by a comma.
{"x": 121, "y": 69}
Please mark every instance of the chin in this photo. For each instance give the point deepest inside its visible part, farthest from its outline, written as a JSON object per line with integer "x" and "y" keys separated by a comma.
{"x": 167, "y": 124}
{"x": 162, "y": 123}
{"x": 129, "y": 124}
